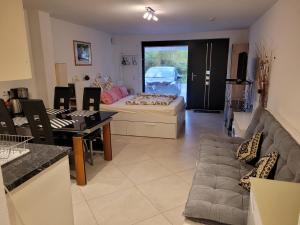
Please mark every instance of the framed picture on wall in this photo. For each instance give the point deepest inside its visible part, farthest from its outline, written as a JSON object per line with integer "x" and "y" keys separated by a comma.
{"x": 82, "y": 53}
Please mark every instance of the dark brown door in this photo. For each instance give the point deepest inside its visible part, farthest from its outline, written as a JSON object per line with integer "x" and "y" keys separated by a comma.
{"x": 196, "y": 74}
{"x": 207, "y": 74}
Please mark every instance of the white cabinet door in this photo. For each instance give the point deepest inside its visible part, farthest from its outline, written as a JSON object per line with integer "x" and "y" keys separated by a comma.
{"x": 45, "y": 199}
{"x": 14, "y": 53}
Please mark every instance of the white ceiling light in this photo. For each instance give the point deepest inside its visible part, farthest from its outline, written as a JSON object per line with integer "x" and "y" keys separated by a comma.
{"x": 146, "y": 15}
{"x": 150, "y": 14}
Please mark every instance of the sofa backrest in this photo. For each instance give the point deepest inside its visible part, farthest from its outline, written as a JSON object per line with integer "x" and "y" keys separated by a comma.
{"x": 276, "y": 138}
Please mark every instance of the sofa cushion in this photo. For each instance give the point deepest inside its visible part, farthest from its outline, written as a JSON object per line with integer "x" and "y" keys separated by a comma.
{"x": 262, "y": 169}
{"x": 276, "y": 138}
{"x": 248, "y": 151}
{"x": 217, "y": 150}
{"x": 216, "y": 195}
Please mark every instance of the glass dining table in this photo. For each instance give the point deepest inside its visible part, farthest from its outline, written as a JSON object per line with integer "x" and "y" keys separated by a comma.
{"x": 80, "y": 124}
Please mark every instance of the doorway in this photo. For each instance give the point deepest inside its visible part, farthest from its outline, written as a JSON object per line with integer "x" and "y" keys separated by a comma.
{"x": 165, "y": 68}
{"x": 194, "y": 69}
{"x": 207, "y": 72}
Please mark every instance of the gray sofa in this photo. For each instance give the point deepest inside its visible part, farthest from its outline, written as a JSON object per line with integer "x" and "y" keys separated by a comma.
{"x": 215, "y": 196}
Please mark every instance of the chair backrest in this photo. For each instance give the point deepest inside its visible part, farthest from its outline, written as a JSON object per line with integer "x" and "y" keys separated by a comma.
{"x": 91, "y": 98}
{"x": 62, "y": 97}
{"x": 72, "y": 87}
{"x": 39, "y": 122}
{"x": 6, "y": 123}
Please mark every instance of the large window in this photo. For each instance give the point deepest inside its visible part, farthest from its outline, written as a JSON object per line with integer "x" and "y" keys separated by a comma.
{"x": 165, "y": 69}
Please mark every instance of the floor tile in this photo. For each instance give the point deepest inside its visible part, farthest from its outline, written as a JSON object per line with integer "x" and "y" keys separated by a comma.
{"x": 175, "y": 217}
{"x": 83, "y": 215}
{"x": 77, "y": 195}
{"x": 187, "y": 175}
{"x": 122, "y": 208}
{"x": 166, "y": 193}
{"x": 108, "y": 180}
{"x": 160, "y": 148}
{"x": 189, "y": 222}
{"x": 177, "y": 162}
{"x": 144, "y": 171}
{"x": 157, "y": 220}
{"x": 136, "y": 187}
{"x": 132, "y": 153}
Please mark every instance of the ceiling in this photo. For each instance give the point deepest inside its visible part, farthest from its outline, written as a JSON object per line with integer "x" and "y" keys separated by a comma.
{"x": 124, "y": 17}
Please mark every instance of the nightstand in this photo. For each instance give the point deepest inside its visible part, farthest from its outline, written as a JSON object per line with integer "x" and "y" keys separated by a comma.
{"x": 241, "y": 121}
{"x": 274, "y": 202}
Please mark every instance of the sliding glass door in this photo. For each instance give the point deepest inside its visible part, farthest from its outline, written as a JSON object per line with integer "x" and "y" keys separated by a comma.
{"x": 165, "y": 68}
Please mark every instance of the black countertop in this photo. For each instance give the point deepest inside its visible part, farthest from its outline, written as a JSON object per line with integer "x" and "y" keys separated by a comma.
{"x": 40, "y": 157}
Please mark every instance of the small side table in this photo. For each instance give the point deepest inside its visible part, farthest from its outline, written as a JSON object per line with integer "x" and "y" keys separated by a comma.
{"x": 241, "y": 121}
{"x": 274, "y": 202}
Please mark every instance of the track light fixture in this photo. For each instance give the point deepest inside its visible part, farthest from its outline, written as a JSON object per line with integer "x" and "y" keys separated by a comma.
{"x": 150, "y": 14}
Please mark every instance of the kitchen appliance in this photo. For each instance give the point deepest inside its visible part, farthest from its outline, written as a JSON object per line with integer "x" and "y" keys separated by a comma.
{"x": 15, "y": 95}
{"x": 16, "y": 107}
{"x": 19, "y": 93}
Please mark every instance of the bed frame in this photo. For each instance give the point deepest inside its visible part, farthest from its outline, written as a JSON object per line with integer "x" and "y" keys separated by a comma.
{"x": 148, "y": 124}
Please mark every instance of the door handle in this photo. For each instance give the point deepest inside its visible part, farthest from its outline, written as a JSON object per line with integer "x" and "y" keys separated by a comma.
{"x": 194, "y": 75}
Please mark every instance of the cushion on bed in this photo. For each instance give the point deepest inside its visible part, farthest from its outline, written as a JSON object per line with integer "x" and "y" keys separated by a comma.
{"x": 106, "y": 98}
{"x": 117, "y": 91}
{"x": 114, "y": 95}
{"x": 124, "y": 91}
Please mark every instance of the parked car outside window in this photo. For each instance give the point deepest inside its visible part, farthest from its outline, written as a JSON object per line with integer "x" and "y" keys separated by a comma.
{"x": 163, "y": 80}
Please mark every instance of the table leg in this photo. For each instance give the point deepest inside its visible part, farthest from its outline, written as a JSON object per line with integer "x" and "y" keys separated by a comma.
{"x": 107, "y": 142}
{"x": 79, "y": 160}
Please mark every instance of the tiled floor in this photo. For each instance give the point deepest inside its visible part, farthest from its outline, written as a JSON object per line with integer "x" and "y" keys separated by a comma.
{"x": 147, "y": 182}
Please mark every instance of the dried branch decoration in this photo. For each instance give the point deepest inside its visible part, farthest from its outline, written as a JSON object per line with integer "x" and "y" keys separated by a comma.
{"x": 264, "y": 66}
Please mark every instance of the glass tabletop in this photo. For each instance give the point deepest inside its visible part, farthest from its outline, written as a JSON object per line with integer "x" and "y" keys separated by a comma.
{"x": 75, "y": 121}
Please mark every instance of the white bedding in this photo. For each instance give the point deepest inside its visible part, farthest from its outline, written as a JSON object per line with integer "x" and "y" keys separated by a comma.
{"x": 120, "y": 106}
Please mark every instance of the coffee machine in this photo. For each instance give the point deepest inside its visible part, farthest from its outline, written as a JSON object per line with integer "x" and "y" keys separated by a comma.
{"x": 15, "y": 95}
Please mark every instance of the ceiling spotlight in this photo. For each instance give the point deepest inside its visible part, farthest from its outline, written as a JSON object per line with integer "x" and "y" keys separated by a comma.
{"x": 150, "y": 14}
{"x": 149, "y": 17}
{"x": 146, "y": 15}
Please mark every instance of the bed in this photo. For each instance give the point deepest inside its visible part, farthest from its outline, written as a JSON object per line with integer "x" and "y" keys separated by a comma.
{"x": 163, "y": 121}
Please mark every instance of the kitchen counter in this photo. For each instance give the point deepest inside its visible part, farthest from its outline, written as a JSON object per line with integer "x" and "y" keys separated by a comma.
{"x": 43, "y": 177}
{"x": 40, "y": 158}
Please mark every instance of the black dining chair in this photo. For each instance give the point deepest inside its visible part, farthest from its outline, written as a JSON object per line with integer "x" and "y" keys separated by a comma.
{"x": 38, "y": 120}
{"x": 91, "y": 101}
{"x": 91, "y": 98}
{"x": 6, "y": 123}
{"x": 62, "y": 96}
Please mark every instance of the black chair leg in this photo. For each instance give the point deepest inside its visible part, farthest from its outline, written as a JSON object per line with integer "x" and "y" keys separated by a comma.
{"x": 89, "y": 150}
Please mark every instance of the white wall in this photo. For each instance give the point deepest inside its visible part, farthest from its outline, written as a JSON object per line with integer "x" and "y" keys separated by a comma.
{"x": 63, "y": 35}
{"x": 278, "y": 29}
{"x": 131, "y": 45}
{"x": 52, "y": 42}
{"x": 42, "y": 54}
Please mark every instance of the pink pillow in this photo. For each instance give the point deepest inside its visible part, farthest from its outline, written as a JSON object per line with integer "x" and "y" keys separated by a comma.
{"x": 117, "y": 91}
{"x": 114, "y": 96}
{"x": 106, "y": 98}
{"x": 124, "y": 91}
